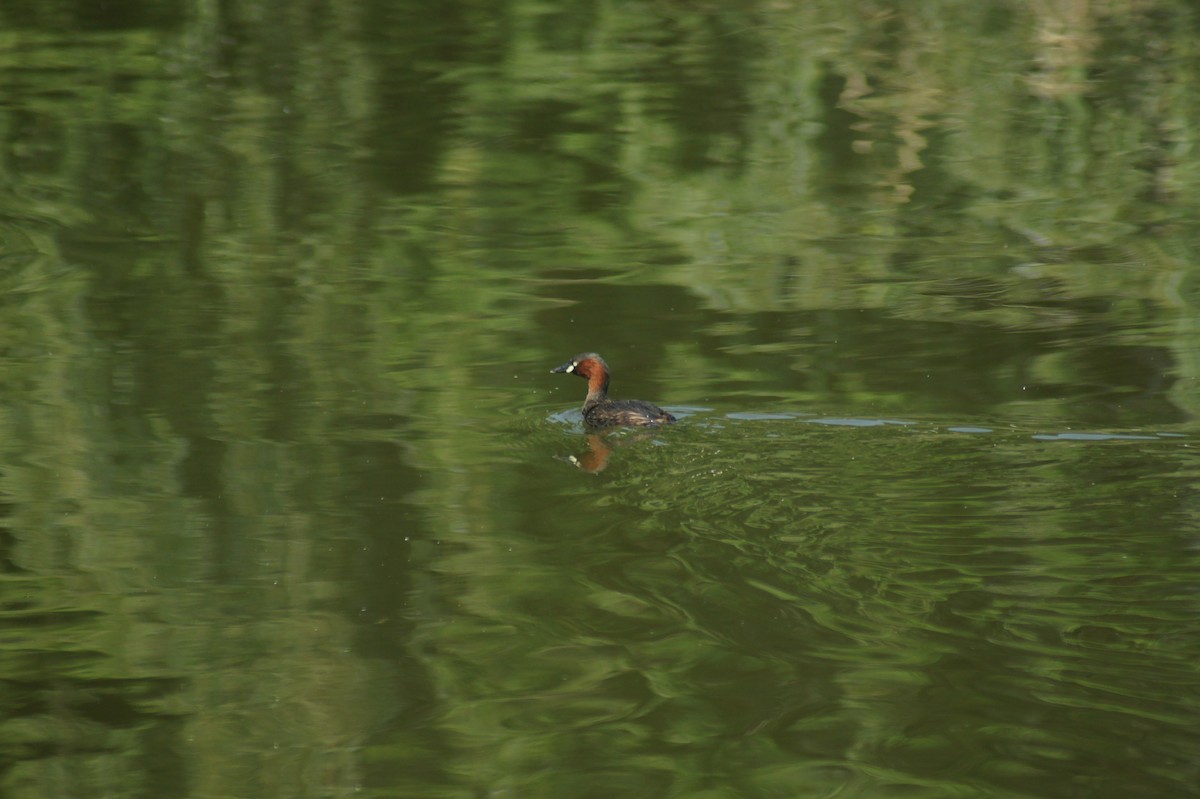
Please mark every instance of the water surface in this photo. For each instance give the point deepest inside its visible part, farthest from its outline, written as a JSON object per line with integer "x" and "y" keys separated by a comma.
{"x": 293, "y": 507}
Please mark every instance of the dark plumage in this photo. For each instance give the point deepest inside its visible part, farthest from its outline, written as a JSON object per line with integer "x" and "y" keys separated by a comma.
{"x": 598, "y": 409}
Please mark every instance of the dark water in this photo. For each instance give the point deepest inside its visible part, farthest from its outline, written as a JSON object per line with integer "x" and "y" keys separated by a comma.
{"x": 293, "y": 507}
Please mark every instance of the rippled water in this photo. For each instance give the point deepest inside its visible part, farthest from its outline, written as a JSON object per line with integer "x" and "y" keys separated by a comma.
{"x": 292, "y": 506}
{"x": 769, "y": 601}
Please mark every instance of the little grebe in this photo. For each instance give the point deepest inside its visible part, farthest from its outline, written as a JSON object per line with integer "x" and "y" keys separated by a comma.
{"x": 598, "y": 409}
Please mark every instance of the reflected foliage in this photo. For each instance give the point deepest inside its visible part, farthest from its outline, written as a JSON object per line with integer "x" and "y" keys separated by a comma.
{"x": 286, "y": 505}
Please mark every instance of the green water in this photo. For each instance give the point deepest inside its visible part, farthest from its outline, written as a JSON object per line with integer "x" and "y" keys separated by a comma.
{"x": 293, "y": 507}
